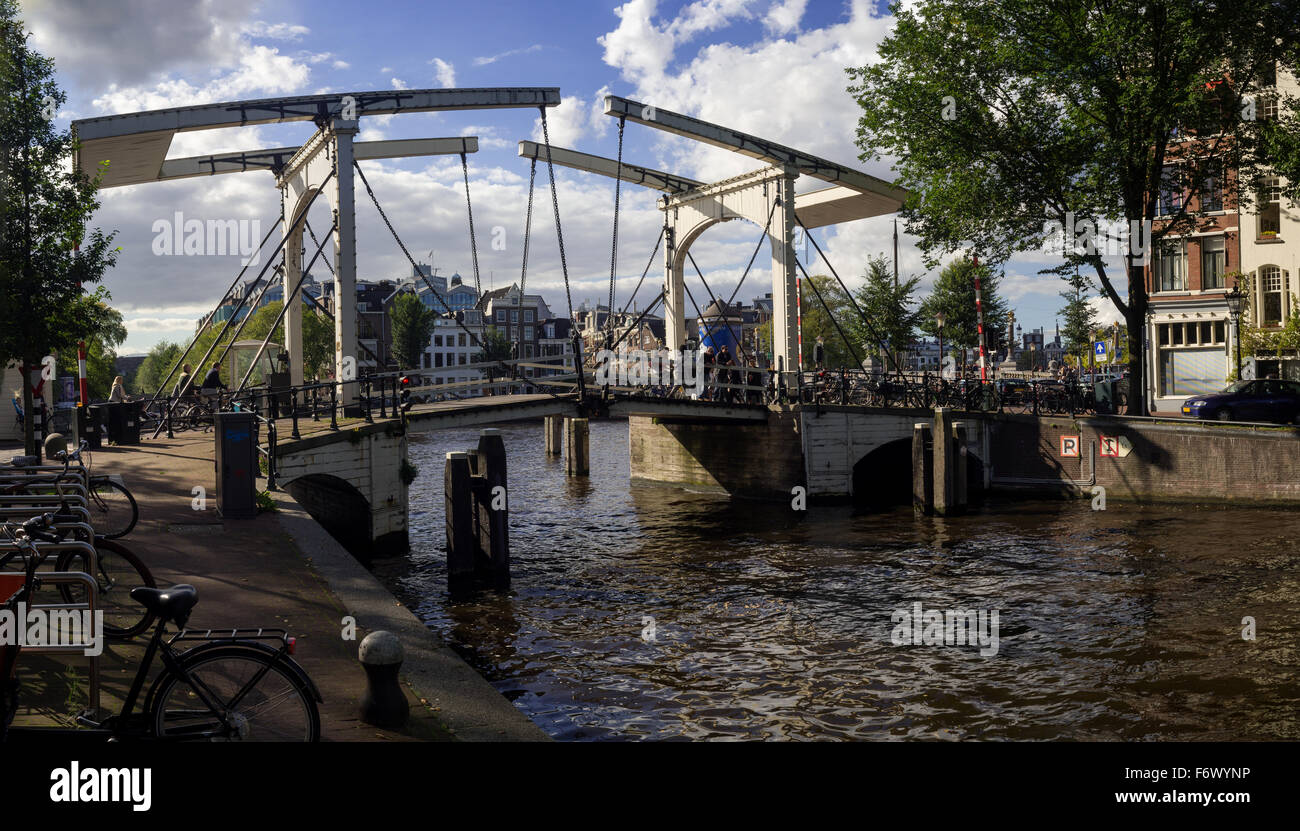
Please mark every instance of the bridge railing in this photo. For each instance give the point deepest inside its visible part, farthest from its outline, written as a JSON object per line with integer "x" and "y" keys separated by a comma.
{"x": 1035, "y": 396}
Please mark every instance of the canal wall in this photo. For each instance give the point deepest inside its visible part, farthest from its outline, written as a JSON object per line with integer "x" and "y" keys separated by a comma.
{"x": 762, "y": 459}
{"x": 839, "y": 452}
{"x": 1157, "y": 460}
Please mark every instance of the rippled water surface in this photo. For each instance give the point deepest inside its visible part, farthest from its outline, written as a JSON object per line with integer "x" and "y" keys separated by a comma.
{"x": 770, "y": 623}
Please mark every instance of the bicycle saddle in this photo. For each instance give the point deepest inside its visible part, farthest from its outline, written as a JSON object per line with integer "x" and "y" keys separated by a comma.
{"x": 24, "y": 461}
{"x": 172, "y": 604}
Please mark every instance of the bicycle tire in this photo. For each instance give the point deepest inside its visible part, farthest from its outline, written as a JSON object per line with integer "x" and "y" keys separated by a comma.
{"x": 116, "y": 572}
{"x": 110, "y": 516}
{"x": 174, "y": 712}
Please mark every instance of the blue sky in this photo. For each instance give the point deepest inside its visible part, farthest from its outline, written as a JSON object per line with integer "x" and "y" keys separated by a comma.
{"x": 774, "y": 68}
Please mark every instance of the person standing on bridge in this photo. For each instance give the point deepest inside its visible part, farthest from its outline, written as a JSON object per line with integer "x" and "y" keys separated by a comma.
{"x": 183, "y": 384}
{"x": 819, "y": 352}
{"x": 212, "y": 381}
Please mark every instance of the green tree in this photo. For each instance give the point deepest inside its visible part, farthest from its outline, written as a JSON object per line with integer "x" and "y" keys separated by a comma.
{"x": 954, "y": 295}
{"x": 317, "y": 341}
{"x": 1012, "y": 119}
{"x": 496, "y": 347}
{"x": 412, "y": 323}
{"x": 1079, "y": 316}
{"x": 101, "y": 356}
{"x": 47, "y": 260}
{"x": 890, "y": 308}
{"x": 153, "y": 370}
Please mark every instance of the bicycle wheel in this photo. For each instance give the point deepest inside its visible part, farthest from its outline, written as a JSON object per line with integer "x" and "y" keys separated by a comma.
{"x": 113, "y": 512}
{"x": 116, "y": 572}
{"x": 260, "y": 696}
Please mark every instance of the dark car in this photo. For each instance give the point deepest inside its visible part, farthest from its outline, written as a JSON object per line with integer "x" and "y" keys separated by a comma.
{"x": 1014, "y": 390}
{"x": 1266, "y": 399}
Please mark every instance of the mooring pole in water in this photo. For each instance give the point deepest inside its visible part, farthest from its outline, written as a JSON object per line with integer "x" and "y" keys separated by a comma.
{"x": 492, "y": 507}
{"x": 577, "y": 461}
{"x": 460, "y": 521}
{"x": 553, "y": 427}
{"x": 943, "y": 460}
{"x": 922, "y": 468}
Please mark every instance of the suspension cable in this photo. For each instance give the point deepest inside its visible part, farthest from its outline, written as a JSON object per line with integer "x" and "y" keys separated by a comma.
{"x": 564, "y": 266}
{"x": 618, "y": 189}
{"x": 384, "y": 216}
{"x": 872, "y": 329}
{"x": 523, "y": 268}
{"x": 649, "y": 263}
{"x": 469, "y": 208}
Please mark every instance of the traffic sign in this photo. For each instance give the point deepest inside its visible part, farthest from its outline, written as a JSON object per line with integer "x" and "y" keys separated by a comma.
{"x": 1099, "y": 348}
{"x": 1070, "y": 446}
{"x": 1109, "y": 446}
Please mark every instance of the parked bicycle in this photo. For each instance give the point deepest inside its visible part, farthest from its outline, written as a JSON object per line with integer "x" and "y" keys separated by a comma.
{"x": 232, "y": 685}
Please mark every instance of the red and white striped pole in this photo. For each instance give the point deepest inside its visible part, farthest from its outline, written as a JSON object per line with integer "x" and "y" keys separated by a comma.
{"x": 81, "y": 373}
{"x": 979, "y": 317}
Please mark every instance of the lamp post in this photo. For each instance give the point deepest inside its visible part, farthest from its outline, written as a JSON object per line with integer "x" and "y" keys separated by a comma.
{"x": 1234, "y": 300}
{"x": 939, "y": 318}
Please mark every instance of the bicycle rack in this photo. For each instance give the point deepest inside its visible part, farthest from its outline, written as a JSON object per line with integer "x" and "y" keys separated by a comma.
{"x": 91, "y": 604}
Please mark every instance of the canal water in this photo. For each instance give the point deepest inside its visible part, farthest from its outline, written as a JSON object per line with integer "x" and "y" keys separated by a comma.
{"x": 648, "y": 612}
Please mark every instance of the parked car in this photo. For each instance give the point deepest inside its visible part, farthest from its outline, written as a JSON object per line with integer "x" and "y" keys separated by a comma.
{"x": 1265, "y": 399}
{"x": 1014, "y": 390}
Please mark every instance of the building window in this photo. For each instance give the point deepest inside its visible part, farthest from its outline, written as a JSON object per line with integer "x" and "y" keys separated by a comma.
{"x": 1214, "y": 262}
{"x": 1171, "y": 266}
{"x": 1270, "y": 281}
{"x": 437, "y": 340}
{"x": 528, "y": 315}
{"x": 501, "y": 315}
{"x": 1212, "y": 190}
{"x": 514, "y": 315}
{"x": 461, "y": 339}
{"x": 1171, "y": 191}
{"x": 437, "y": 359}
{"x": 462, "y": 359}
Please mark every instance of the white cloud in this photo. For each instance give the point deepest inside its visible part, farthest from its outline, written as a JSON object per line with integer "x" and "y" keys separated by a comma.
{"x": 274, "y": 31}
{"x": 341, "y": 65}
{"x": 444, "y": 72}
{"x": 566, "y": 122}
{"x": 783, "y": 18}
{"x": 398, "y": 83}
{"x": 257, "y": 69}
{"x": 490, "y": 59}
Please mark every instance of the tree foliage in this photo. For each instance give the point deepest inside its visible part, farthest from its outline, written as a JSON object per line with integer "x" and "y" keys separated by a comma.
{"x": 892, "y": 309}
{"x": 412, "y": 324}
{"x": 1079, "y": 316}
{"x": 1011, "y": 118}
{"x": 954, "y": 295}
{"x": 48, "y": 262}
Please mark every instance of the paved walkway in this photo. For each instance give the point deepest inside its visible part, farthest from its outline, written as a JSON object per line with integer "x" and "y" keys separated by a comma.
{"x": 280, "y": 570}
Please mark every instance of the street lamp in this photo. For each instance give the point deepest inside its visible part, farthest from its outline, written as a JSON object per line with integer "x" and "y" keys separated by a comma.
{"x": 1234, "y": 300}
{"x": 939, "y": 318}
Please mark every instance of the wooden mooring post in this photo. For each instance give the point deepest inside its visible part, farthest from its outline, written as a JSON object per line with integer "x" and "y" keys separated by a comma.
{"x": 478, "y": 515}
{"x": 577, "y": 460}
{"x": 553, "y": 427}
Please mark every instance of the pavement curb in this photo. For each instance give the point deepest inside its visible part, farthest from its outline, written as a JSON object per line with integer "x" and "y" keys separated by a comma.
{"x": 467, "y": 703}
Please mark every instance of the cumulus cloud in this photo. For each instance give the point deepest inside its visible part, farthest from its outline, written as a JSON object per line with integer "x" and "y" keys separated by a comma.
{"x": 444, "y": 72}
{"x": 133, "y": 41}
{"x": 783, "y": 17}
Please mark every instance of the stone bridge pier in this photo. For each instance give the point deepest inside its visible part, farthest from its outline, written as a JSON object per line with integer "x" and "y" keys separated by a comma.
{"x": 354, "y": 483}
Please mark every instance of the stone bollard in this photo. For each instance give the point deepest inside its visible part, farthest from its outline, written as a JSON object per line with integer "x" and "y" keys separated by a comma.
{"x": 577, "y": 461}
{"x": 55, "y": 443}
{"x": 922, "y": 469}
{"x": 553, "y": 427}
{"x": 383, "y": 704}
